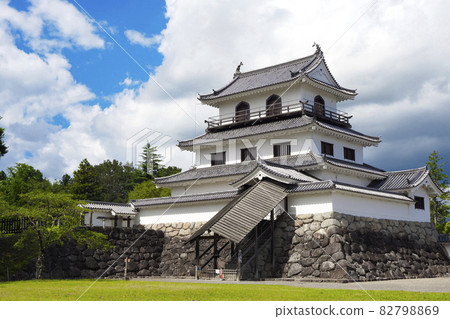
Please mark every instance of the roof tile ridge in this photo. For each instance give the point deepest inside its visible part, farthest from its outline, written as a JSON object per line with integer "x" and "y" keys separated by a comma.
{"x": 371, "y": 166}
{"x": 348, "y": 129}
{"x": 407, "y": 170}
{"x": 105, "y": 203}
{"x": 182, "y": 172}
{"x": 368, "y": 188}
{"x": 277, "y": 66}
{"x": 216, "y": 92}
{"x": 331, "y": 86}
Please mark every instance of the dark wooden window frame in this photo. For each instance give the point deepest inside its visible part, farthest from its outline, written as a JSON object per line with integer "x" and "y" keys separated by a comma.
{"x": 273, "y": 105}
{"x": 242, "y": 112}
{"x": 282, "y": 149}
{"x": 248, "y": 154}
{"x": 327, "y": 148}
{"x": 420, "y": 202}
{"x": 319, "y": 105}
{"x": 349, "y": 154}
{"x": 217, "y": 158}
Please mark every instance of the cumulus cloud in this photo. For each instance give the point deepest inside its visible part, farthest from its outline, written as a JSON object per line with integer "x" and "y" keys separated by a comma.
{"x": 395, "y": 55}
{"x": 139, "y": 38}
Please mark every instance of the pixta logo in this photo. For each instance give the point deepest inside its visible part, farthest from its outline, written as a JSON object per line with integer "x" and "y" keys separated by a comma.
{"x": 149, "y": 149}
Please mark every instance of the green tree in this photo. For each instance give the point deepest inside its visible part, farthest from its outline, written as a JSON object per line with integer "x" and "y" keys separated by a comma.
{"x": 3, "y": 147}
{"x": 62, "y": 185}
{"x": 147, "y": 189}
{"x": 115, "y": 181}
{"x": 85, "y": 183}
{"x": 53, "y": 219}
{"x": 151, "y": 161}
{"x": 12, "y": 258}
{"x": 439, "y": 209}
{"x": 167, "y": 171}
{"x": 21, "y": 179}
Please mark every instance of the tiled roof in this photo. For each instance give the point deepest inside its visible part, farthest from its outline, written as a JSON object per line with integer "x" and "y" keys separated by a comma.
{"x": 286, "y": 172}
{"x": 276, "y": 74}
{"x": 347, "y": 131}
{"x": 208, "y": 172}
{"x": 401, "y": 179}
{"x": 325, "y": 185}
{"x": 277, "y": 126}
{"x": 243, "y": 213}
{"x": 351, "y": 165}
{"x": 114, "y": 208}
{"x": 183, "y": 199}
{"x": 309, "y": 160}
{"x": 312, "y": 186}
{"x": 250, "y": 130}
{"x": 238, "y": 169}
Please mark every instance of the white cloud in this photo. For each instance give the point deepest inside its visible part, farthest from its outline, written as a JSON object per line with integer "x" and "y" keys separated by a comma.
{"x": 69, "y": 23}
{"x": 395, "y": 55}
{"x": 129, "y": 82}
{"x": 139, "y": 38}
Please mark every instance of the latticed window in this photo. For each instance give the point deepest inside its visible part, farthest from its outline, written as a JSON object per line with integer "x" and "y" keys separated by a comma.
{"x": 217, "y": 158}
{"x": 248, "y": 154}
{"x": 349, "y": 153}
{"x": 282, "y": 149}
{"x": 420, "y": 202}
{"x": 319, "y": 105}
{"x": 242, "y": 112}
{"x": 273, "y": 105}
{"x": 327, "y": 148}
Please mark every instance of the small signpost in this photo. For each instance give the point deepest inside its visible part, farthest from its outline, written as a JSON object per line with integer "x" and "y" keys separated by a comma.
{"x": 127, "y": 260}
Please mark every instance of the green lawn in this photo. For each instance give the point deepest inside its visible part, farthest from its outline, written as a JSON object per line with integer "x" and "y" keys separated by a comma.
{"x": 59, "y": 290}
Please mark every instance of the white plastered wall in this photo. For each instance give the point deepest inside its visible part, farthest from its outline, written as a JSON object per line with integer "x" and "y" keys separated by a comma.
{"x": 309, "y": 203}
{"x": 200, "y": 188}
{"x": 180, "y": 213}
{"x": 356, "y": 205}
{"x": 326, "y": 174}
{"x": 258, "y": 101}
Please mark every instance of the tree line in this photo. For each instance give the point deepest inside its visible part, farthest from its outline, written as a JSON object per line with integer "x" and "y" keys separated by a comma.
{"x": 53, "y": 212}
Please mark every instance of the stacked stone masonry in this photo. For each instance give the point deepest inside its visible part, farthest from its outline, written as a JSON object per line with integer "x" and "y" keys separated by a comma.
{"x": 342, "y": 246}
{"x": 332, "y": 245}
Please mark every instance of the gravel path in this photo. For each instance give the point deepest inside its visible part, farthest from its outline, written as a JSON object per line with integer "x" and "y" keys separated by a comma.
{"x": 441, "y": 284}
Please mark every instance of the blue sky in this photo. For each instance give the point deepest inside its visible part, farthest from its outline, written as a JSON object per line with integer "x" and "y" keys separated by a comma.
{"x": 68, "y": 91}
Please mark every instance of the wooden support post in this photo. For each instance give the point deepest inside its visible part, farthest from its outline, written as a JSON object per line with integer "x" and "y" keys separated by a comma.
{"x": 197, "y": 258}
{"x": 129, "y": 221}
{"x": 115, "y": 221}
{"x": 216, "y": 239}
{"x": 239, "y": 262}
{"x": 256, "y": 250}
{"x": 232, "y": 248}
{"x": 197, "y": 251}
{"x": 272, "y": 246}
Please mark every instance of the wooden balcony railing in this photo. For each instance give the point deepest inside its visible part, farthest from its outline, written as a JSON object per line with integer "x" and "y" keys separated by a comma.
{"x": 292, "y": 109}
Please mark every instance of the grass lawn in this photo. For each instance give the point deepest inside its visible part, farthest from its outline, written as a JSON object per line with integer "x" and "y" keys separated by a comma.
{"x": 66, "y": 290}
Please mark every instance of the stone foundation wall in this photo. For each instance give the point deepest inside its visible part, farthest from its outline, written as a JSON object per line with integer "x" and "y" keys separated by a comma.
{"x": 74, "y": 261}
{"x": 161, "y": 251}
{"x": 329, "y": 245}
{"x": 178, "y": 256}
{"x": 341, "y": 246}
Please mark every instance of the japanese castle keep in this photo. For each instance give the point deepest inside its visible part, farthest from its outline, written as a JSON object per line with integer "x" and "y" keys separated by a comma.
{"x": 280, "y": 188}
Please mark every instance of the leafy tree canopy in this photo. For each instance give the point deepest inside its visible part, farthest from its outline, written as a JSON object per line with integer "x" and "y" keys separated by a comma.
{"x": 85, "y": 183}
{"x": 21, "y": 179}
{"x": 148, "y": 189}
{"x": 439, "y": 208}
{"x": 3, "y": 147}
{"x": 54, "y": 218}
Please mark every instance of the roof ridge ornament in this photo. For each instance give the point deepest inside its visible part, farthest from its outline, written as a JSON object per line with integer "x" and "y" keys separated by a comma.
{"x": 318, "y": 49}
{"x": 238, "y": 70}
